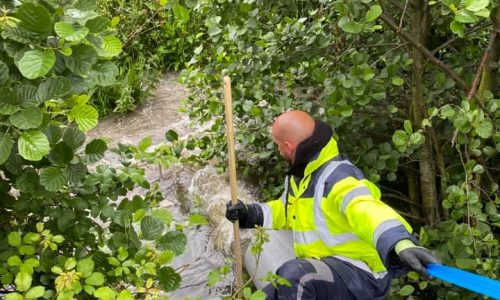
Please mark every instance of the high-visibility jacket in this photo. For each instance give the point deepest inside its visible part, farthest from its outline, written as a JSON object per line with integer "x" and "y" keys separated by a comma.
{"x": 334, "y": 211}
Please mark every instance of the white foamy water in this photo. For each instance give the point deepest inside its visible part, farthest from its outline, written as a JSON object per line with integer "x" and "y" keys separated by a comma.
{"x": 186, "y": 189}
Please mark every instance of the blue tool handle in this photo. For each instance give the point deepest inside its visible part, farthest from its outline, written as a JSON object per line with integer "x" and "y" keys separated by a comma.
{"x": 476, "y": 283}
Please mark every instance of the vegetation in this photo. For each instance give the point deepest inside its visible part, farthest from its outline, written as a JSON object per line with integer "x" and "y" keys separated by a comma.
{"x": 69, "y": 227}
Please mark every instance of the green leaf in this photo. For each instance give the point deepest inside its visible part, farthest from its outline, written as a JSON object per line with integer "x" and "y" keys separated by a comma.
{"x": 73, "y": 137}
{"x": 36, "y": 63}
{"x": 14, "y": 239}
{"x": 110, "y": 46}
{"x": 171, "y": 135}
{"x": 4, "y": 73}
{"x": 173, "y": 240}
{"x": 28, "y": 118}
{"x": 95, "y": 150}
{"x": 373, "y": 13}
{"x": 53, "y": 88}
{"x": 105, "y": 293}
{"x": 400, "y": 138}
{"x": 75, "y": 172}
{"x": 27, "y": 250}
{"x": 145, "y": 143}
{"x": 82, "y": 59}
{"x": 151, "y": 227}
{"x": 406, "y": 290}
{"x": 14, "y": 296}
{"x": 466, "y": 263}
{"x": 68, "y": 31}
{"x": 95, "y": 279}
{"x": 52, "y": 178}
{"x": 180, "y": 13}
{"x": 14, "y": 261}
{"x": 85, "y": 267}
{"x": 35, "y": 292}
{"x": 23, "y": 281}
{"x": 398, "y": 81}
{"x": 197, "y": 219}
{"x": 476, "y": 5}
{"x": 163, "y": 214}
{"x": 457, "y": 28}
{"x": 104, "y": 74}
{"x": 98, "y": 24}
{"x": 35, "y": 18}
{"x": 351, "y": 27}
{"x": 61, "y": 154}
{"x": 33, "y": 145}
{"x": 464, "y": 16}
{"x": 408, "y": 127}
{"x": 53, "y": 133}
{"x": 86, "y": 5}
{"x": 125, "y": 295}
{"x": 484, "y": 129}
{"x": 85, "y": 116}
{"x": 169, "y": 279}
{"x": 5, "y": 147}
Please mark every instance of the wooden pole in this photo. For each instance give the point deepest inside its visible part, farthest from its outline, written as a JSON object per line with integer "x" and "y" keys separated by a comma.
{"x": 232, "y": 177}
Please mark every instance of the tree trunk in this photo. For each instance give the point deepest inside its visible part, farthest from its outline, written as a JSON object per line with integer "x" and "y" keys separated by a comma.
{"x": 419, "y": 21}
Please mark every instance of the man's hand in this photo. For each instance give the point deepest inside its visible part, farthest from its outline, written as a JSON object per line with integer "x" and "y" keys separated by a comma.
{"x": 416, "y": 257}
{"x": 239, "y": 211}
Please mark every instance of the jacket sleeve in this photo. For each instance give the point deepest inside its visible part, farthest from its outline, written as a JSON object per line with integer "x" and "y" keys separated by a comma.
{"x": 372, "y": 220}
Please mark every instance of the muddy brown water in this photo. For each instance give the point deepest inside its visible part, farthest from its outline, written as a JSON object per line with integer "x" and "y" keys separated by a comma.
{"x": 186, "y": 189}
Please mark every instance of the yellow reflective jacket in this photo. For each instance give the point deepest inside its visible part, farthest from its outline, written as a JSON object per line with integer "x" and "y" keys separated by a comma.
{"x": 334, "y": 211}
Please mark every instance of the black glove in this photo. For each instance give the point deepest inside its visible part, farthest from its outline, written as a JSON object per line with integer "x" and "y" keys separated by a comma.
{"x": 239, "y": 211}
{"x": 417, "y": 258}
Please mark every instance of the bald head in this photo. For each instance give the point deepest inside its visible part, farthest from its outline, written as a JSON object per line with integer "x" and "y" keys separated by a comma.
{"x": 290, "y": 129}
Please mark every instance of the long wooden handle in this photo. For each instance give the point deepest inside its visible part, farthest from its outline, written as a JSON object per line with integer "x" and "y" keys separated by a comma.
{"x": 232, "y": 175}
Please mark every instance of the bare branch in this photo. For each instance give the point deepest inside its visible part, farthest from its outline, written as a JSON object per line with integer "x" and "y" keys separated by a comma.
{"x": 402, "y": 16}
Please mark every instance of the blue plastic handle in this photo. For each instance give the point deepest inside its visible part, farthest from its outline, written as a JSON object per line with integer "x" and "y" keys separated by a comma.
{"x": 476, "y": 283}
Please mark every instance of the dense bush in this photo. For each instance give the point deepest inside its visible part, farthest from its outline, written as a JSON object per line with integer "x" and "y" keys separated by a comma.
{"x": 403, "y": 83}
{"x": 69, "y": 228}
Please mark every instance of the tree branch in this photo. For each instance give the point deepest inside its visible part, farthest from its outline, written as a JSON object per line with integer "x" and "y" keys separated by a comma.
{"x": 454, "y": 38}
{"x": 406, "y": 37}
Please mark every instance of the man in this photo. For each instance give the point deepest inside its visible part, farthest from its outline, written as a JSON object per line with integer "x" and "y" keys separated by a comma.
{"x": 348, "y": 243}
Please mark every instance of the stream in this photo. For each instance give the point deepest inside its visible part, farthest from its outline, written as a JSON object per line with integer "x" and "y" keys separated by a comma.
{"x": 186, "y": 189}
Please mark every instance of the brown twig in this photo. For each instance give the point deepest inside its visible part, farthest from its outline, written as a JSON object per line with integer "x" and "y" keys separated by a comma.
{"x": 454, "y": 38}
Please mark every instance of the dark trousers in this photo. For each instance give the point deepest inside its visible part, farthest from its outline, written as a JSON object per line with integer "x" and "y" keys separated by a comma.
{"x": 328, "y": 278}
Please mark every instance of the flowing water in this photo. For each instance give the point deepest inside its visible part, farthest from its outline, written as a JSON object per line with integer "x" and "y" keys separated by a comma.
{"x": 186, "y": 189}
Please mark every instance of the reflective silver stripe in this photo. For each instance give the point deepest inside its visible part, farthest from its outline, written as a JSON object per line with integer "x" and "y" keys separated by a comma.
{"x": 359, "y": 191}
{"x": 330, "y": 240}
{"x": 320, "y": 218}
{"x": 383, "y": 227}
{"x": 268, "y": 216}
{"x": 323, "y": 273}
{"x": 362, "y": 265}
{"x": 285, "y": 192}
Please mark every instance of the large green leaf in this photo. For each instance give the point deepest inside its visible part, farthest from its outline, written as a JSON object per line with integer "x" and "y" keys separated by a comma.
{"x": 75, "y": 172}
{"x": 169, "y": 279}
{"x": 173, "y": 240}
{"x": 82, "y": 59}
{"x": 104, "y": 74}
{"x": 8, "y": 109}
{"x": 61, "y": 154}
{"x": 70, "y": 32}
{"x": 28, "y": 118}
{"x": 5, "y": 147}
{"x": 33, "y": 145}
{"x": 151, "y": 227}
{"x": 23, "y": 281}
{"x": 95, "y": 279}
{"x": 98, "y": 24}
{"x": 52, "y": 178}
{"x": 95, "y": 150}
{"x": 484, "y": 129}
{"x": 85, "y": 267}
{"x": 26, "y": 94}
{"x": 85, "y": 116}
{"x": 35, "y": 292}
{"x": 109, "y": 46}
{"x": 4, "y": 73}
{"x": 74, "y": 137}
{"x": 373, "y": 13}
{"x": 53, "y": 88}
{"x": 86, "y": 5}
{"x": 36, "y": 63}
{"x": 105, "y": 293}
{"x": 35, "y": 18}
{"x": 53, "y": 133}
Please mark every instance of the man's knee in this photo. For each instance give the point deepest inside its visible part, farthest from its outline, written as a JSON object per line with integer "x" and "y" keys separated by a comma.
{"x": 293, "y": 270}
